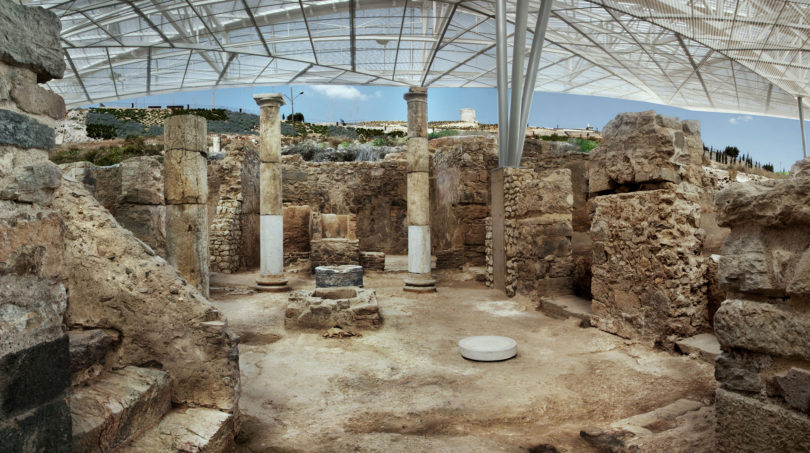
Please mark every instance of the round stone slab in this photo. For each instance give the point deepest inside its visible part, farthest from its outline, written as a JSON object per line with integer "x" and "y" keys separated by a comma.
{"x": 487, "y": 348}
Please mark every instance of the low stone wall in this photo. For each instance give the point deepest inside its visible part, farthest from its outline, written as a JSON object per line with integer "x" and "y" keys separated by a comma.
{"x": 764, "y": 325}
{"x": 537, "y": 232}
{"x": 34, "y": 357}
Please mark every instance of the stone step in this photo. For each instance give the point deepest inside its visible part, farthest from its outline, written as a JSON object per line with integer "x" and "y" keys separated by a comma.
{"x": 567, "y": 306}
{"x": 88, "y": 350}
{"x": 682, "y": 426}
{"x": 704, "y": 346}
{"x": 117, "y": 406}
{"x": 197, "y": 430}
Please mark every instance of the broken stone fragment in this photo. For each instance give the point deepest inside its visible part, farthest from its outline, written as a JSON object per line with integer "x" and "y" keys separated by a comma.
{"x": 794, "y": 386}
{"x": 770, "y": 203}
{"x": 30, "y": 39}
{"x": 739, "y": 370}
{"x": 88, "y": 347}
{"x": 35, "y": 184}
{"x": 778, "y": 330}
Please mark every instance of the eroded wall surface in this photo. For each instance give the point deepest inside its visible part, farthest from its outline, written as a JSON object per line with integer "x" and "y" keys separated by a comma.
{"x": 133, "y": 193}
{"x": 34, "y": 357}
{"x": 374, "y": 191}
{"x": 763, "y": 403}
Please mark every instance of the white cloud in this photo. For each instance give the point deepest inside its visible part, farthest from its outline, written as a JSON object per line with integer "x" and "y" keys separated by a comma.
{"x": 340, "y": 92}
{"x": 378, "y": 94}
{"x": 741, "y": 119}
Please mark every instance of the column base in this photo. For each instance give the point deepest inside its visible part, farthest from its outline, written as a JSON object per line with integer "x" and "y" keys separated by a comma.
{"x": 420, "y": 283}
{"x": 271, "y": 283}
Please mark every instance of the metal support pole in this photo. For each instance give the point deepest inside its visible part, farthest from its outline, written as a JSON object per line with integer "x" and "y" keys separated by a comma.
{"x": 801, "y": 125}
{"x": 500, "y": 58}
{"x": 518, "y": 55}
{"x": 531, "y": 75}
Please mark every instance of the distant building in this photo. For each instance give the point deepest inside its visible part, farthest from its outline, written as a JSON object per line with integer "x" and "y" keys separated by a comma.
{"x": 468, "y": 115}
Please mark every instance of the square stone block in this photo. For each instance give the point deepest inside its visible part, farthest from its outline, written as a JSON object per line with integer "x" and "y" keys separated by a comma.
{"x": 186, "y": 132}
{"x": 186, "y": 177}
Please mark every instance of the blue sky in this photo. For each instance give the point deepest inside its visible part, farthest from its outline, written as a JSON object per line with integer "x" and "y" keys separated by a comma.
{"x": 767, "y": 139}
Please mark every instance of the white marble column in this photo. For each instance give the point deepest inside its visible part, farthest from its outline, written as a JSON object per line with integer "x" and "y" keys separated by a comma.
{"x": 419, "y": 278}
{"x": 271, "y": 230}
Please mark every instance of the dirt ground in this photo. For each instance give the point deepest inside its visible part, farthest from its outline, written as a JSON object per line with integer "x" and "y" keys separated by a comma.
{"x": 406, "y": 388}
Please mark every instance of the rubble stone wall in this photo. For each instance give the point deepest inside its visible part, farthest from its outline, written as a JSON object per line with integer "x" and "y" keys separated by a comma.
{"x": 460, "y": 198}
{"x": 233, "y": 208}
{"x": 538, "y": 210}
{"x": 34, "y": 357}
{"x": 648, "y": 272}
{"x": 763, "y": 403}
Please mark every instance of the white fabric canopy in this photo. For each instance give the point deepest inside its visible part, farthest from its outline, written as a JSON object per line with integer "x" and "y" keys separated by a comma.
{"x": 745, "y": 56}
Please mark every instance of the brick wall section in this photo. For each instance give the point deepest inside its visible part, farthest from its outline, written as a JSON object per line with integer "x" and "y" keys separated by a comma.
{"x": 763, "y": 403}
{"x": 34, "y": 358}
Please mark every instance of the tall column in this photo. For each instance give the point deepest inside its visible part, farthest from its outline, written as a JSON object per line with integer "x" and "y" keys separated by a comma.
{"x": 271, "y": 227}
{"x": 419, "y": 278}
{"x": 185, "y": 170}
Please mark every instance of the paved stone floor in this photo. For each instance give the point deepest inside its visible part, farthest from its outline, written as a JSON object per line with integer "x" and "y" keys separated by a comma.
{"x": 406, "y": 388}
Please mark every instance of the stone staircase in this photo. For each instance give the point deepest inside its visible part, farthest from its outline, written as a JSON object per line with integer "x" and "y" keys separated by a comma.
{"x": 129, "y": 409}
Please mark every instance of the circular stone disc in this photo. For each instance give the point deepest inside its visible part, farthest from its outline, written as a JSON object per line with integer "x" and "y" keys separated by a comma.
{"x": 487, "y": 348}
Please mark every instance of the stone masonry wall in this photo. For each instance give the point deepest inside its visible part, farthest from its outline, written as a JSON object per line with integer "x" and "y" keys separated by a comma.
{"x": 648, "y": 272}
{"x": 34, "y": 357}
{"x": 233, "y": 207}
{"x": 460, "y": 198}
{"x": 374, "y": 191}
{"x": 537, "y": 232}
{"x": 649, "y": 276}
{"x": 133, "y": 193}
{"x": 763, "y": 403}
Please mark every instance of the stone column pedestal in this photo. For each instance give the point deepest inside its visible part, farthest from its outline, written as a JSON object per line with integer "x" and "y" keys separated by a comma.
{"x": 186, "y": 191}
{"x": 419, "y": 278}
{"x": 271, "y": 223}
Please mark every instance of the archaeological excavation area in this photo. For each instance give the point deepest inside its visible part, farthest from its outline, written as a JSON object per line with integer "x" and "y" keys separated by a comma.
{"x": 196, "y": 280}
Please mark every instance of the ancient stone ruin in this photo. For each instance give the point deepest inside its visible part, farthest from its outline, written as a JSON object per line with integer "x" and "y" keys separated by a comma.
{"x": 228, "y": 295}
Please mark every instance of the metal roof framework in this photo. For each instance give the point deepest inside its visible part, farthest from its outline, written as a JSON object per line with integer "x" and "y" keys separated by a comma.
{"x": 738, "y": 56}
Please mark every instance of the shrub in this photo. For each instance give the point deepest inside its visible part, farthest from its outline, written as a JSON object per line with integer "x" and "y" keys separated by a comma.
{"x": 768, "y": 167}
{"x": 585, "y": 145}
{"x": 554, "y": 138}
{"x": 102, "y": 131}
{"x": 442, "y": 133}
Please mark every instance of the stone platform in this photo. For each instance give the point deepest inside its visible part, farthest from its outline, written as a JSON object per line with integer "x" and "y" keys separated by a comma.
{"x": 336, "y": 276}
{"x": 324, "y": 308}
